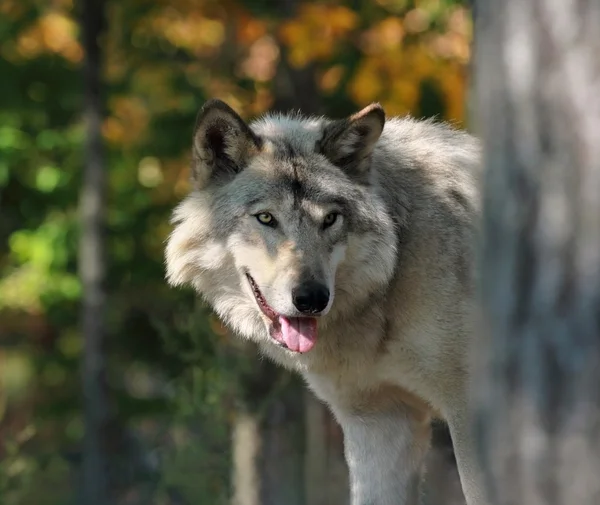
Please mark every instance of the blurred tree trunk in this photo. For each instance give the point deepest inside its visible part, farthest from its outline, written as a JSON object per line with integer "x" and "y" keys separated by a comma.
{"x": 246, "y": 444}
{"x": 92, "y": 265}
{"x": 537, "y": 80}
{"x": 315, "y": 461}
{"x": 267, "y": 435}
{"x": 284, "y": 444}
{"x": 295, "y": 88}
{"x": 325, "y": 470}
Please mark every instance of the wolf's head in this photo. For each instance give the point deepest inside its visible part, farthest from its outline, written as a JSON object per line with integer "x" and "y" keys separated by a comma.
{"x": 283, "y": 231}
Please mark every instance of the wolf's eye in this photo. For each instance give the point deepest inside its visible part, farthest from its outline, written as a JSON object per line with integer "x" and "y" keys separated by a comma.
{"x": 266, "y": 219}
{"x": 330, "y": 219}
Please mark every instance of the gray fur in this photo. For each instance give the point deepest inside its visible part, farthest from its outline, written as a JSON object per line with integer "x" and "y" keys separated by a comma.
{"x": 393, "y": 343}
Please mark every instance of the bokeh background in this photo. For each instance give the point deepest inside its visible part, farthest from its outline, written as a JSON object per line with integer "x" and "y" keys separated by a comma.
{"x": 194, "y": 414}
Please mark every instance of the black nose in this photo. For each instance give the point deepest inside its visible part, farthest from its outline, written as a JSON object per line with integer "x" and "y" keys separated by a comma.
{"x": 310, "y": 297}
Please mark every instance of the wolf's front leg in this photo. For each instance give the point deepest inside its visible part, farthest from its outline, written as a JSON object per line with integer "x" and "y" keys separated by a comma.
{"x": 469, "y": 469}
{"x": 385, "y": 453}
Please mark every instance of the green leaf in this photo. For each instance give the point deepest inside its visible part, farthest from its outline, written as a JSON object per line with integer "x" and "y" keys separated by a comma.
{"x": 47, "y": 178}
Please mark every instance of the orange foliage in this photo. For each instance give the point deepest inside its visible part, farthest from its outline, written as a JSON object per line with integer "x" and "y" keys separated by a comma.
{"x": 416, "y": 21}
{"x": 262, "y": 60}
{"x": 399, "y": 52}
{"x": 316, "y": 31}
{"x": 127, "y": 122}
{"x": 454, "y": 88}
{"x": 249, "y": 29}
{"x": 393, "y": 68}
{"x": 330, "y": 79}
{"x": 53, "y": 32}
{"x": 191, "y": 31}
{"x": 409, "y": 42}
{"x": 387, "y": 35}
{"x": 11, "y": 9}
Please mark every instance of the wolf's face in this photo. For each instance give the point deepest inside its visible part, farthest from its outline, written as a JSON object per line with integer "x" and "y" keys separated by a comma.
{"x": 280, "y": 215}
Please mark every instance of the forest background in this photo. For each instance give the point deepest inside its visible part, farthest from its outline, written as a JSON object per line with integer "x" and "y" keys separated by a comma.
{"x": 195, "y": 417}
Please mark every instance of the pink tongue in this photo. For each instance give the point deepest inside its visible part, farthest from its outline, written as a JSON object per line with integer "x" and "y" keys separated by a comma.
{"x": 299, "y": 333}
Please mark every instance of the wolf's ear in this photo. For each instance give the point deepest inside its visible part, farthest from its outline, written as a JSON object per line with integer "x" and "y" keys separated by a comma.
{"x": 223, "y": 144}
{"x": 348, "y": 142}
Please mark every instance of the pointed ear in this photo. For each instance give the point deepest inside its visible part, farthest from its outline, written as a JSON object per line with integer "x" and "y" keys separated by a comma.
{"x": 348, "y": 142}
{"x": 223, "y": 144}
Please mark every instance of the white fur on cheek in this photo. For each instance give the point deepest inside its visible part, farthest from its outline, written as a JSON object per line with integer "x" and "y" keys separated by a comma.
{"x": 254, "y": 259}
{"x": 189, "y": 249}
{"x": 193, "y": 258}
{"x": 337, "y": 256}
{"x": 274, "y": 286}
{"x": 212, "y": 256}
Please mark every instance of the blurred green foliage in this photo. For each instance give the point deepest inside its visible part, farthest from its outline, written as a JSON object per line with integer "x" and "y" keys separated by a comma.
{"x": 172, "y": 369}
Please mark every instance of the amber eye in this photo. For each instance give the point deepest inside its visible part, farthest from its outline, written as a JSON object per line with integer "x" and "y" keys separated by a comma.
{"x": 330, "y": 219}
{"x": 265, "y": 218}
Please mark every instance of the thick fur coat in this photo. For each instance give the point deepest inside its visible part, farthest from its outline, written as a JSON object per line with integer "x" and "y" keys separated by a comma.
{"x": 345, "y": 249}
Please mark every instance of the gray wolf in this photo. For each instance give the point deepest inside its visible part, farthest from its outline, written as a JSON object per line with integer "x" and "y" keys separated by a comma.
{"x": 345, "y": 250}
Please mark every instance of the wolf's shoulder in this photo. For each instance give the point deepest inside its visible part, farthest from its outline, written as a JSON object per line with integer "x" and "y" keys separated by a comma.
{"x": 429, "y": 139}
{"x": 430, "y": 152}
{"x": 434, "y": 166}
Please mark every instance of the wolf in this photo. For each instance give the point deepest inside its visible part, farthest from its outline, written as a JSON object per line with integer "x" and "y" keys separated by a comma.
{"x": 345, "y": 248}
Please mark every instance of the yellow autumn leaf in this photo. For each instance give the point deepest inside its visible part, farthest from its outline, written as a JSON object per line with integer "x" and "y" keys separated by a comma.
{"x": 453, "y": 85}
{"x": 59, "y": 35}
{"x": 395, "y": 107}
{"x": 389, "y": 33}
{"x": 316, "y": 32}
{"x": 330, "y": 79}
{"x": 291, "y": 32}
{"x": 406, "y": 92}
{"x": 416, "y": 20}
{"x": 366, "y": 85}
{"x": 419, "y": 62}
{"x": 11, "y": 10}
{"x": 300, "y": 56}
{"x": 250, "y": 29}
{"x": 341, "y": 19}
{"x": 127, "y": 122}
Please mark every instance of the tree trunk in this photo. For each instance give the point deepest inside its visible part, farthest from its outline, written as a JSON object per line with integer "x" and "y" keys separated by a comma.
{"x": 284, "y": 443}
{"x": 92, "y": 265}
{"x": 246, "y": 443}
{"x": 537, "y": 82}
{"x": 325, "y": 470}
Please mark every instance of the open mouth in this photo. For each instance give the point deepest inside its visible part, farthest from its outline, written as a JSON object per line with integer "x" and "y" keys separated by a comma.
{"x": 298, "y": 334}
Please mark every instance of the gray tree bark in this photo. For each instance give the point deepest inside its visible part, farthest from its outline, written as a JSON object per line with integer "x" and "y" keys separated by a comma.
{"x": 246, "y": 449}
{"x": 537, "y": 85}
{"x": 92, "y": 266}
